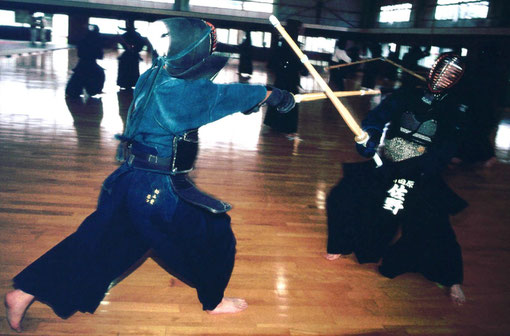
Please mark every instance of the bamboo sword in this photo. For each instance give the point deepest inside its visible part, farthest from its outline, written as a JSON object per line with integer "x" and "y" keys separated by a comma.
{"x": 361, "y": 136}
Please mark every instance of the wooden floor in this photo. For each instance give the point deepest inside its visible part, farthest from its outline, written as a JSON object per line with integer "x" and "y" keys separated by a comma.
{"x": 54, "y": 157}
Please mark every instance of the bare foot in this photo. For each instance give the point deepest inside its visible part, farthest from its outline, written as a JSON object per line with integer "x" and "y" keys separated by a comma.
{"x": 457, "y": 295}
{"x": 16, "y": 304}
{"x": 331, "y": 257}
{"x": 229, "y": 306}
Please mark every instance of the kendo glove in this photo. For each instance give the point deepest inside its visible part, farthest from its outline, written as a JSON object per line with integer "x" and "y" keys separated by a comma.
{"x": 370, "y": 147}
{"x": 283, "y": 100}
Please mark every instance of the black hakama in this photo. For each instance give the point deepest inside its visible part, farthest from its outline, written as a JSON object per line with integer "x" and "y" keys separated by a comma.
{"x": 364, "y": 219}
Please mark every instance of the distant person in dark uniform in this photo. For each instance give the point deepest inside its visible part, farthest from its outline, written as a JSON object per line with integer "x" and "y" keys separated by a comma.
{"x": 410, "y": 62}
{"x": 245, "y": 56}
{"x": 288, "y": 70}
{"x": 388, "y": 70}
{"x": 354, "y": 52}
{"x": 38, "y": 29}
{"x": 132, "y": 42}
{"x": 337, "y": 75}
{"x": 88, "y": 74}
{"x": 371, "y": 69}
{"x": 478, "y": 91}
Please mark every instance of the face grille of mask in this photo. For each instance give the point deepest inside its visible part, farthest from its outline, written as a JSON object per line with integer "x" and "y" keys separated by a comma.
{"x": 445, "y": 73}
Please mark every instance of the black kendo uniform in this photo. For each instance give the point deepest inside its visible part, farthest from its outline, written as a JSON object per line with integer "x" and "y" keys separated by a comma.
{"x": 370, "y": 205}
{"x": 245, "y": 56}
{"x": 88, "y": 74}
{"x": 129, "y": 71}
{"x": 337, "y": 75}
{"x": 149, "y": 202}
{"x": 288, "y": 70}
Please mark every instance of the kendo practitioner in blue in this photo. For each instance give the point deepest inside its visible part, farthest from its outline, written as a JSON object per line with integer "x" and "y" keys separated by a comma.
{"x": 149, "y": 202}
{"x": 398, "y": 214}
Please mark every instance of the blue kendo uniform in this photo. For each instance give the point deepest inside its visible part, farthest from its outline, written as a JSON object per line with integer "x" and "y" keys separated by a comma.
{"x": 181, "y": 105}
{"x": 139, "y": 209}
{"x": 149, "y": 202}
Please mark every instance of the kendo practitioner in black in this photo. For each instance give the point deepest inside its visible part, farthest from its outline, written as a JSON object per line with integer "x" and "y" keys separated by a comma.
{"x": 150, "y": 202}
{"x": 288, "y": 70}
{"x": 245, "y": 56}
{"x": 88, "y": 74}
{"x": 133, "y": 43}
{"x": 398, "y": 214}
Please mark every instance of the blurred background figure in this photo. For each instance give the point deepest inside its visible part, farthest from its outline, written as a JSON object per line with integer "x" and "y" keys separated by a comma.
{"x": 288, "y": 70}
{"x": 480, "y": 98}
{"x": 410, "y": 62}
{"x": 38, "y": 29}
{"x": 389, "y": 72}
{"x": 354, "y": 52}
{"x": 245, "y": 57}
{"x": 371, "y": 69}
{"x": 88, "y": 74}
{"x": 337, "y": 75}
{"x": 133, "y": 43}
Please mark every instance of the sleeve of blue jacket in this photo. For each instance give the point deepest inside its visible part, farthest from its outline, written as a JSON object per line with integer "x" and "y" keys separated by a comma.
{"x": 192, "y": 104}
{"x": 378, "y": 117}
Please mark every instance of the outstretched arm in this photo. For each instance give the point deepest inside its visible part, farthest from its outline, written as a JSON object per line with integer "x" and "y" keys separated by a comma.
{"x": 378, "y": 117}
{"x": 374, "y": 124}
{"x": 197, "y": 103}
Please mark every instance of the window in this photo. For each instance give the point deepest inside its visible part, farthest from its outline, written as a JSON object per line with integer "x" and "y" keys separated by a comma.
{"x": 8, "y": 18}
{"x": 18, "y": 18}
{"x": 395, "y": 13}
{"x": 234, "y": 37}
{"x": 108, "y": 26}
{"x": 466, "y": 9}
{"x": 265, "y": 6}
{"x": 227, "y": 36}
{"x": 60, "y": 28}
{"x": 164, "y": 1}
{"x": 261, "y": 39}
{"x": 434, "y": 53}
{"x": 217, "y": 3}
{"x": 141, "y": 27}
{"x": 317, "y": 44}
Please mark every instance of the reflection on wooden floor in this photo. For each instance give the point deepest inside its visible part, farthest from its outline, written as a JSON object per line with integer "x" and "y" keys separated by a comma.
{"x": 56, "y": 153}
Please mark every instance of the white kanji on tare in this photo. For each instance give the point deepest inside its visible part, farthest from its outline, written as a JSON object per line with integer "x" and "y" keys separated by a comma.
{"x": 395, "y": 201}
{"x": 151, "y": 198}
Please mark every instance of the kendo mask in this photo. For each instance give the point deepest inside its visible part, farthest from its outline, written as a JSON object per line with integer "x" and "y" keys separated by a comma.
{"x": 187, "y": 46}
{"x": 445, "y": 73}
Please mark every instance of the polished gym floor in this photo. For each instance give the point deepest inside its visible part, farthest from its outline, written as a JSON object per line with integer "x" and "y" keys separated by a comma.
{"x": 55, "y": 153}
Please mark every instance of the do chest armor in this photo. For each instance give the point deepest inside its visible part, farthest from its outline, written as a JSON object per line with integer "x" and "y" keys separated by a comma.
{"x": 185, "y": 151}
{"x": 409, "y": 138}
